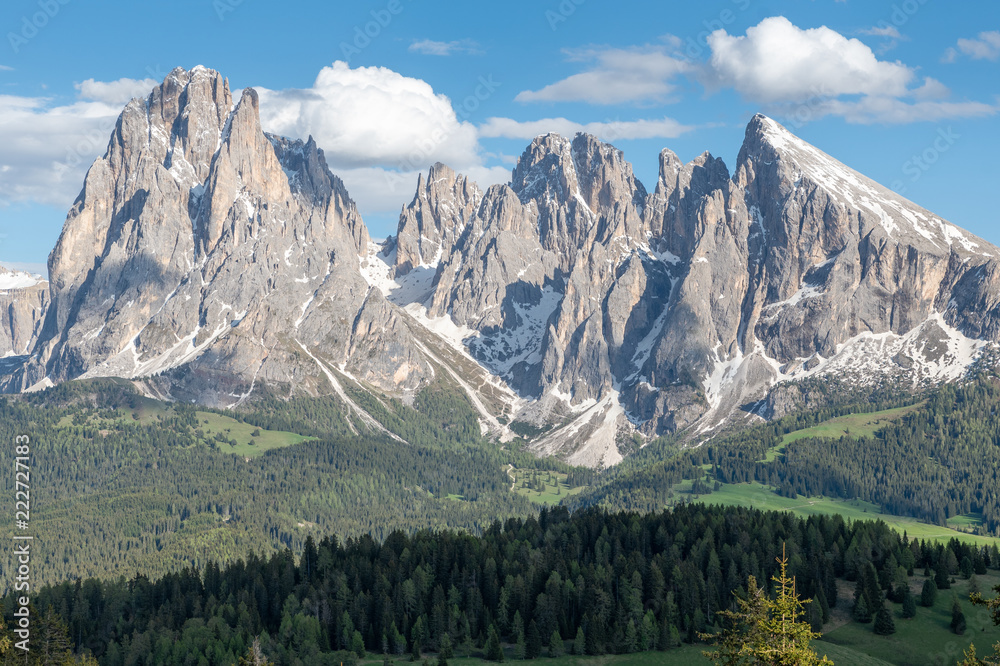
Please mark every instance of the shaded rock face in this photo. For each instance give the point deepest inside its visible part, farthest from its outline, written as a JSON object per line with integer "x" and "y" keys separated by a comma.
{"x": 612, "y": 310}
{"x": 207, "y": 251}
{"x": 23, "y": 300}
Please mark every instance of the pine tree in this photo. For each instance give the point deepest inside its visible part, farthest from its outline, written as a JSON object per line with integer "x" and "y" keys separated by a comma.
{"x": 861, "y": 612}
{"x": 928, "y": 593}
{"x": 556, "y": 646}
{"x": 534, "y": 641}
{"x": 493, "y": 651}
{"x": 815, "y": 617}
{"x": 909, "y": 604}
{"x": 941, "y": 578}
{"x": 520, "y": 647}
{"x": 884, "y": 624}
{"x": 358, "y": 644}
{"x": 447, "y": 650}
{"x": 579, "y": 643}
{"x": 51, "y": 643}
{"x": 766, "y": 631}
{"x": 957, "y": 618}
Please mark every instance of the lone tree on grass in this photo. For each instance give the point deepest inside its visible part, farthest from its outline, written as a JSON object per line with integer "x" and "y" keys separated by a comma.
{"x": 767, "y": 631}
{"x": 884, "y": 624}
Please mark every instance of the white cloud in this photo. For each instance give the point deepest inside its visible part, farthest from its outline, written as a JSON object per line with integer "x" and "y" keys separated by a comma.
{"x": 372, "y": 116}
{"x": 617, "y": 76}
{"x": 508, "y": 128}
{"x": 379, "y": 130}
{"x": 812, "y": 73}
{"x": 891, "y": 37}
{"x": 874, "y": 109}
{"x": 986, "y": 46}
{"x": 6, "y": 68}
{"x": 778, "y": 62}
{"x": 431, "y": 47}
{"x": 47, "y": 149}
{"x": 115, "y": 92}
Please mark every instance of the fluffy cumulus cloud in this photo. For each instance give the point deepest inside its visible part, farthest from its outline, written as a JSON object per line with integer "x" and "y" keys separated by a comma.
{"x": 378, "y": 129}
{"x": 986, "y": 46}
{"x": 615, "y": 76}
{"x": 372, "y": 116}
{"x": 806, "y": 74}
{"x": 611, "y": 131}
{"x": 776, "y": 61}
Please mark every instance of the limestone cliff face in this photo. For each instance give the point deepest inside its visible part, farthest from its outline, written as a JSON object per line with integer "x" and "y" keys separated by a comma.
{"x": 24, "y": 298}
{"x": 203, "y": 250}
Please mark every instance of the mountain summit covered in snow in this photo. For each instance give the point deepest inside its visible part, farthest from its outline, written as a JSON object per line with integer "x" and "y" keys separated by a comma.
{"x": 206, "y": 260}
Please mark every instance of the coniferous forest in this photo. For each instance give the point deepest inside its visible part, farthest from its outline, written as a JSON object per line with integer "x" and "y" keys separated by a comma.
{"x": 588, "y": 583}
{"x": 163, "y": 539}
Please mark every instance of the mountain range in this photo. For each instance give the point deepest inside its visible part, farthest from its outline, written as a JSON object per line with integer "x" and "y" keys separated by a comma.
{"x": 211, "y": 262}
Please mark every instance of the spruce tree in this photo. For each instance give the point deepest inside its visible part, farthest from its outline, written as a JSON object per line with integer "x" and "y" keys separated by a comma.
{"x": 579, "y": 643}
{"x": 447, "y": 650}
{"x": 909, "y": 604}
{"x": 884, "y": 624}
{"x": 929, "y": 593}
{"x": 957, "y": 617}
{"x": 862, "y": 613}
{"x": 941, "y": 578}
{"x": 766, "y": 631}
{"x": 556, "y": 647}
{"x": 493, "y": 651}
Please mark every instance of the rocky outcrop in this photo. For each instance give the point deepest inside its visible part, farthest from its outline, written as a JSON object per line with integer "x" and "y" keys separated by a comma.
{"x": 23, "y": 300}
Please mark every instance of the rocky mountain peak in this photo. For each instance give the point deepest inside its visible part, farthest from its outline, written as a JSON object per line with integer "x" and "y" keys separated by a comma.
{"x": 444, "y": 205}
{"x": 583, "y": 169}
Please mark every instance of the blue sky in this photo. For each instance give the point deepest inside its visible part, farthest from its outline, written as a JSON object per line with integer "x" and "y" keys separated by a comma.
{"x": 905, "y": 91}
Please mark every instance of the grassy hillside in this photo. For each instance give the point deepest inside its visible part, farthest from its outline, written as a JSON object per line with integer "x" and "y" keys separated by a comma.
{"x": 761, "y": 497}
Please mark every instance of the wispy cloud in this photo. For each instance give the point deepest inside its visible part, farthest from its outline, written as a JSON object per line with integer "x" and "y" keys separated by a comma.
{"x": 508, "y": 128}
{"x": 890, "y": 34}
{"x": 431, "y": 47}
{"x": 615, "y": 76}
{"x": 6, "y": 68}
{"x": 986, "y": 46}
